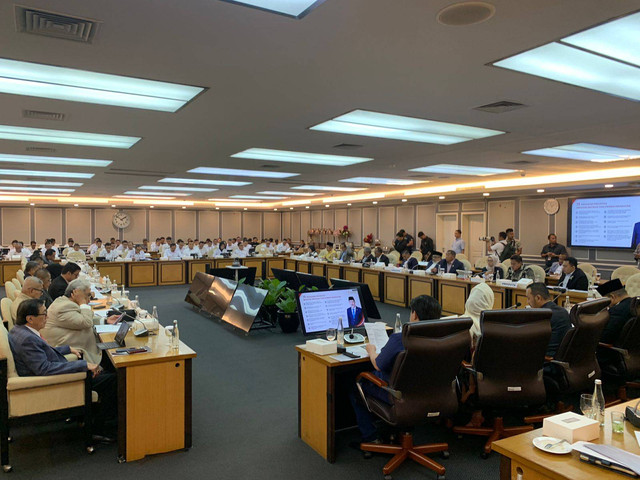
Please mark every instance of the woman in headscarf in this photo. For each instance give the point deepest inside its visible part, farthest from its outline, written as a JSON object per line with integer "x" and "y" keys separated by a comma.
{"x": 480, "y": 299}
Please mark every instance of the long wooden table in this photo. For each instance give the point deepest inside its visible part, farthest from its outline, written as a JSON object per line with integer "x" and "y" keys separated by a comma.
{"x": 520, "y": 460}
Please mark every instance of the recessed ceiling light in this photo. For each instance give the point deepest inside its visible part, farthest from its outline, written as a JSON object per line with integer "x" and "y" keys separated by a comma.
{"x": 199, "y": 181}
{"x": 348, "y": 204}
{"x": 113, "y": 206}
{"x": 38, "y": 182}
{"x": 78, "y": 162}
{"x": 75, "y": 204}
{"x": 327, "y": 206}
{"x": 397, "y": 127}
{"x": 442, "y": 197}
{"x": 299, "y": 157}
{"x": 290, "y": 8}
{"x": 404, "y": 200}
{"x": 540, "y": 190}
{"x": 609, "y": 185}
{"x": 42, "y": 173}
{"x": 28, "y": 134}
{"x": 183, "y": 207}
{"x": 245, "y": 208}
{"x": 382, "y": 181}
{"x": 46, "y": 81}
{"x": 180, "y": 189}
{"x": 587, "y": 151}
{"x": 159, "y": 194}
{"x": 217, "y": 208}
{"x": 290, "y": 194}
{"x": 462, "y": 170}
{"x": 241, "y": 173}
{"x": 151, "y": 206}
{"x": 375, "y": 203}
{"x": 256, "y": 197}
{"x": 327, "y": 189}
{"x": 486, "y": 194}
{"x": 27, "y": 188}
{"x": 138, "y": 197}
{"x": 275, "y": 209}
{"x": 290, "y": 208}
{"x": 307, "y": 206}
{"x": 32, "y": 204}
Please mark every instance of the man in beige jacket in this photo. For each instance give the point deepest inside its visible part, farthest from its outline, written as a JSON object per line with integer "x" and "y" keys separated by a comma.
{"x": 32, "y": 288}
{"x": 70, "y": 321}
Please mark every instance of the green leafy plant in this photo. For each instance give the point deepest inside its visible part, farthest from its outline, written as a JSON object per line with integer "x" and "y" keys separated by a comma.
{"x": 287, "y": 302}
{"x": 275, "y": 288}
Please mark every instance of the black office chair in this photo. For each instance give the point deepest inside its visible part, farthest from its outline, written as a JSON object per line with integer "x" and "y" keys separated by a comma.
{"x": 575, "y": 366}
{"x": 422, "y": 386}
{"x": 620, "y": 362}
{"x": 507, "y": 368}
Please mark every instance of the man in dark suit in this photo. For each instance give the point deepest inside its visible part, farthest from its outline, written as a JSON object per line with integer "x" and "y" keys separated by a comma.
{"x": 70, "y": 272}
{"x": 381, "y": 257}
{"x": 33, "y": 356}
{"x": 572, "y": 277}
{"x": 538, "y": 297}
{"x": 426, "y": 246}
{"x": 619, "y": 310}
{"x": 409, "y": 262}
{"x": 434, "y": 262}
{"x": 635, "y": 238}
{"x": 450, "y": 264}
{"x": 367, "y": 256}
{"x": 354, "y": 314}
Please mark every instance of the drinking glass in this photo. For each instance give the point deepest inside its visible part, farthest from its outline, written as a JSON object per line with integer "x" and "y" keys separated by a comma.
{"x": 586, "y": 405}
{"x": 617, "y": 422}
{"x": 331, "y": 334}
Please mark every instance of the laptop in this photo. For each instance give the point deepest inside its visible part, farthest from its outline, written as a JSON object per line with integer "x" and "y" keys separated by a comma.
{"x": 118, "y": 341}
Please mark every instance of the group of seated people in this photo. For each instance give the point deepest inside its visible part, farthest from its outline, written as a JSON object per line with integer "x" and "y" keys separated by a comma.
{"x": 481, "y": 298}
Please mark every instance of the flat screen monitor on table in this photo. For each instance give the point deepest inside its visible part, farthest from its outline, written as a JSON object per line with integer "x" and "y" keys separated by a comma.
{"x": 288, "y": 276}
{"x": 211, "y": 294}
{"x": 320, "y": 309}
{"x": 369, "y": 303}
{"x": 244, "y": 306}
{"x": 310, "y": 281}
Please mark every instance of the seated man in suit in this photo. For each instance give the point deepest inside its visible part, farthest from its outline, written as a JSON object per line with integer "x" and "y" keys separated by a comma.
{"x": 381, "y": 257}
{"x": 407, "y": 261}
{"x": 33, "y": 356}
{"x": 30, "y": 268}
{"x": 367, "y": 256}
{"x": 69, "y": 272}
{"x": 572, "y": 277}
{"x": 354, "y": 314}
{"x": 619, "y": 310}
{"x": 423, "y": 308}
{"x": 44, "y": 275}
{"x": 517, "y": 270}
{"x": 434, "y": 261}
{"x": 450, "y": 264}
{"x": 31, "y": 288}
{"x": 538, "y": 297}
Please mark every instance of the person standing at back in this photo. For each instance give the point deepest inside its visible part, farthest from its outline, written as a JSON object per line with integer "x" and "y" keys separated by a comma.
{"x": 458, "y": 245}
{"x": 552, "y": 251}
{"x": 426, "y": 246}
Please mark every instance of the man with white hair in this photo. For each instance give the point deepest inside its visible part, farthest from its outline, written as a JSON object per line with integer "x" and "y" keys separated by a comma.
{"x": 31, "y": 288}
{"x": 70, "y": 321}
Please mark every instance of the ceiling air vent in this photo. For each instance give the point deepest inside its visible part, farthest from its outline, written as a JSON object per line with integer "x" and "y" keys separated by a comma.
{"x": 522, "y": 162}
{"x": 347, "y": 146}
{"x": 56, "y": 25}
{"x": 38, "y": 115}
{"x": 500, "y": 107}
{"x": 40, "y": 149}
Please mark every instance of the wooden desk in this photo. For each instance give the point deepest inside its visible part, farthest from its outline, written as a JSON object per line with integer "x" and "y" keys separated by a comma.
{"x": 420, "y": 285}
{"x": 352, "y": 274}
{"x": 115, "y": 271}
{"x": 171, "y": 272}
{"x": 373, "y": 278}
{"x": 142, "y": 274}
{"x": 8, "y": 269}
{"x": 272, "y": 262}
{"x": 317, "y": 268}
{"x": 452, "y": 295}
{"x": 302, "y": 266}
{"x": 520, "y": 457}
{"x": 256, "y": 262}
{"x": 200, "y": 265}
{"x": 154, "y": 397}
{"x": 290, "y": 264}
{"x": 395, "y": 288}
{"x": 332, "y": 270}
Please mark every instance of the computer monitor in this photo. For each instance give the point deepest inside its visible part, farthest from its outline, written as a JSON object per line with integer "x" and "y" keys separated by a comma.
{"x": 288, "y": 276}
{"x": 249, "y": 274}
{"x": 310, "y": 281}
{"x": 244, "y": 306}
{"x": 320, "y": 309}
{"x": 199, "y": 289}
{"x": 369, "y": 303}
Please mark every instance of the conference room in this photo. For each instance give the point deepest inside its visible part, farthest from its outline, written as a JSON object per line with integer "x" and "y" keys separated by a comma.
{"x": 320, "y": 238}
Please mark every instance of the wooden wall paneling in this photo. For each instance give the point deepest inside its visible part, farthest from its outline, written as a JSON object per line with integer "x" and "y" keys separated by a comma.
{"x": 426, "y": 221}
{"x": 328, "y": 218}
{"x": 137, "y": 230}
{"x": 405, "y": 218}
{"x": 387, "y": 219}
{"x": 534, "y": 226}
{"x": 160, "y": 224}
{"x": 502, "y": 215}
{"x": 78, "y": 224}
{"x": 305, "y": 224}
{"x": 296, "y": 234}
{"x": 231, "y": 224}
{"x": 185, "y": 224}
{"x": 340, "y": 219}
{"x": 103, "y": 221}
{"x": 286, "y": 225}
{"x": 355, "y": 225}
{"x": 316, "y": 219}
{"x": 47, "y": 224}
{"x": 208, "y": 224}
{"x": 370, "y": 222}
{"x": 252, "y": 224}
{"x": 16, "y": 225}
{"x": 271, "y": 224}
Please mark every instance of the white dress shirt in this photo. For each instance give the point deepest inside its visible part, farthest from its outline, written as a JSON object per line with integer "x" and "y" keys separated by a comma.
{"x": 176, "y": 254}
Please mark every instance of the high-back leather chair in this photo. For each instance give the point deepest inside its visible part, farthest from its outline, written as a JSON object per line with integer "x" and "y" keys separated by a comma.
{"x": 575, "y": 361}
{"x": 507, "y": 367}
{"x": 422, "y": 386}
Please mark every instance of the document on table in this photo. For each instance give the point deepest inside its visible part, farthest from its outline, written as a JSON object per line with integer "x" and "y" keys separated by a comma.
{"x": 359, "y": 351}
{"x": 107, "y": 328}
{"x": 96, "y": 294}
{"x": 377, "y": 334}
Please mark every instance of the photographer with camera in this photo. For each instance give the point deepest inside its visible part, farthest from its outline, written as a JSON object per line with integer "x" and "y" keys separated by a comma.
{"x": 496, "y": 248}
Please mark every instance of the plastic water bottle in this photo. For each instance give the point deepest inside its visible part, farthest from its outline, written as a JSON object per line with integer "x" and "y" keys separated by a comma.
{"x": 137, "y": 300}
{"x": 598, "y": 403}
{"x": 567, "y": 303}
{"x": 175, "y": 337}
{"x": 398, "y": 326}
{"x": 340, "y": 333}
{"x": 155, "y": 321}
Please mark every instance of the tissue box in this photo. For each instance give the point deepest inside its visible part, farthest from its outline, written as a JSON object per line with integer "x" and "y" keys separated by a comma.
{"x": 321, "y": 346}
{"x": 421, "y": 273}
{"x": 571, "y": 427}
{"x": 449, "y": 276}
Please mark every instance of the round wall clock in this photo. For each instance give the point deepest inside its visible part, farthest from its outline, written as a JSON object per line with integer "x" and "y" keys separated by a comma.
{"x": 121, "y": 219}
{"x": 551, "y": 206}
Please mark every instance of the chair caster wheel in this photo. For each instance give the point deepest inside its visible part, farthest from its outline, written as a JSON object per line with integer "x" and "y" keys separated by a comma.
{"x": 7, "y": 468}
{"x": 445, "y": 454}
{"x": 90, "y": 450}
{"x": 484, "y": 455}
{"x": 121, "y": 460}
{"x": 388, "y": 477}
{"x": 440, "y": 477}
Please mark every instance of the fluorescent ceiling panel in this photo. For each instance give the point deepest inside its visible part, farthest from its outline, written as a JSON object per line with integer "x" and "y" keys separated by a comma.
{"x": 27, "y": 134}
{"x": 46, "y": 81}
{"x": 567, "y": 64}
{"x": 199, "y": 181}
{"x": 226, "y": 200}
{"x": 617, "y": 39}
{"x": 159, "y": 194}
{"x": 37, "y": 189}
{"x": 79, "y": 162}
{"x": 381, "y": 181}
{"x": 587, "y": 151}
{"x": 383, "y": 125}
{"x": 181, "y": 189}
{"x": 327, "y": 189}
{"x": 290, "y": 8}
{"x": 138, "y": 197}
{"x": 45, "y": 173}
{"x": 31, "y": 194}
{"x": 462, "y": 170}
{"x": 241, "y": 173}
{"x": 256, "y": 197}
{"x": 299, "y": 157}
{"x": 291, "y": 194}
{"x": 37, "y": 182}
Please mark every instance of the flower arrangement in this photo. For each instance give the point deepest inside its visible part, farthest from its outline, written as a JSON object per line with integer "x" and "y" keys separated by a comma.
{"x": 368, "y": 238}
{"x": 345, "y": 233}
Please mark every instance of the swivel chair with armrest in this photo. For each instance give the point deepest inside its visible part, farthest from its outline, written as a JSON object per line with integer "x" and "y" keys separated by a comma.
{"x": 422, "y": 386}
{"x": 507, "y": 368}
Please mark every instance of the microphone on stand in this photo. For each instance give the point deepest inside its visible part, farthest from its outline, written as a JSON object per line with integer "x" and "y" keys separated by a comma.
{"x": 517, "y": 305}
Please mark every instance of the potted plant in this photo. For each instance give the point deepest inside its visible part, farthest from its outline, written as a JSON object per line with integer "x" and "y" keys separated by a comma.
{"x": 275, "y": 289}
{"x": 288, "y": 311}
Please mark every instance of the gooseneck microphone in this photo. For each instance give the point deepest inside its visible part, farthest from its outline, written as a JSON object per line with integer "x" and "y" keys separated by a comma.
{"x": 517, "y": 305}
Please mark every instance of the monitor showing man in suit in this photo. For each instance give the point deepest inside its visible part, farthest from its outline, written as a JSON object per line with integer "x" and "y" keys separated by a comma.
{"x": 355, "y": 316}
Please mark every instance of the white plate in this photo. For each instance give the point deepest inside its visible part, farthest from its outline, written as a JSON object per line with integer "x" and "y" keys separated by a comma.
{"x": 559, "y": 449}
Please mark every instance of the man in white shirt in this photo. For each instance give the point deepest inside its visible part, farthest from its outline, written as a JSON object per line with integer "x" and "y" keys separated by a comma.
{"x": 204, "y": 250}
{"x": 190, "y": 249}
{"x": 458, "y": 244}
{"x": 126, "y": 248}
{"x": 243, "y": 250}
{"x": 20, "y": 251}
{"x": 556, "y": 267}
{"x": 48, "y": 244}
{"x": 180, "y": 246}
{"x": 109, "y": 253}
{"x": 283, "y": 247}
{"x": 155, "y": 246}
{"x": 97, "y": 245}
{"x": 118, "y": 247}
{"x": 137, "y": 254}
{"x": 495, "y": 249}
{"x": 32, "y": 248}
{"x": 269, "y": 246}
{"x": 173, "y": 253}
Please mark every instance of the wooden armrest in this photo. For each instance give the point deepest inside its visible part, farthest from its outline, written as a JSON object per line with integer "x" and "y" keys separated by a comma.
{"x": 20, "y": 383}
{"x": 465, "y": 364}
{"x": 605, "y": 345}
{"x": 547, "y": 358}
{"x": 373, "y": 379}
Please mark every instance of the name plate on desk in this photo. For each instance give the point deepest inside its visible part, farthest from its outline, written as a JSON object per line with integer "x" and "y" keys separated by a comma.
{"x": 477, "y": 280}
{"x": 420, "y": 273}
{"x": 506, "y": 283}
{"x": 449, "y": 276}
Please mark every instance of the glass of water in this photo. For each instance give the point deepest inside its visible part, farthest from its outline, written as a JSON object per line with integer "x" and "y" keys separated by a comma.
{"x": 586, "y": 405}
{"x": 617, "y": 422}
{"x": 331, "y": 334}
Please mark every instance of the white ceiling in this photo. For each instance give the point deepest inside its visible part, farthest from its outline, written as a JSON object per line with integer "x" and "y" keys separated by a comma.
{"x": 271, "y": 77}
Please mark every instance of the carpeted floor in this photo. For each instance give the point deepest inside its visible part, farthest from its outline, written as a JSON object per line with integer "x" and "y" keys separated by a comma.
{"x": 244, "y": 418}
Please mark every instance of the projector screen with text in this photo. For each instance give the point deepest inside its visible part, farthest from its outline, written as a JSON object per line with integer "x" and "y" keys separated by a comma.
{"x": 609, "y": 222}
